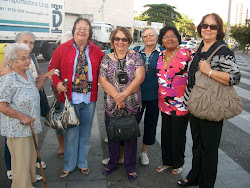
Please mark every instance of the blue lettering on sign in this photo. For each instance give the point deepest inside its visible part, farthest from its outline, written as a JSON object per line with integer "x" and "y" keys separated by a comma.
{"x": 57, "y": 18}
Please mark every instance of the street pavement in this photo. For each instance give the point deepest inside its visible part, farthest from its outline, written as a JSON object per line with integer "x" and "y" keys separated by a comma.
{"x": 233, "y": 168}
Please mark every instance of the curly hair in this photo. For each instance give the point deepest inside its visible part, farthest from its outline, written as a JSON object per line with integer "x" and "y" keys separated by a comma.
{"x": 163, "y": 32}
{"x": 219, "y": 22}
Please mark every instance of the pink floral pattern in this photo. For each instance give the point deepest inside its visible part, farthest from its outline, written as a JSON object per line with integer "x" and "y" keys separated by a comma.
{"x": 172, "y": 83}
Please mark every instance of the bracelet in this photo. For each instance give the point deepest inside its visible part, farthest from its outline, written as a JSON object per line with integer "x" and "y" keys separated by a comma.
{"x": 210, "y": 73}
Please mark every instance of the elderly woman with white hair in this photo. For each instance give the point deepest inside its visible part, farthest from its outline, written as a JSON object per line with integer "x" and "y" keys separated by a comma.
{"x": 149, "y": 88}
{"x": 20, "y": 108}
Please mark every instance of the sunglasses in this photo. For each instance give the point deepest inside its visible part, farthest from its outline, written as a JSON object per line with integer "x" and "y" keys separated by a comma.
{"x": 212, "y": 27}
{"x": 122, "y": 39}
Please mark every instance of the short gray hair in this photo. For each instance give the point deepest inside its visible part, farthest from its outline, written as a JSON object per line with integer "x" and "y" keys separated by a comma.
{"x": 20, "y": 35}
{"x": 155, "y": 30}
{"x": 11, "y": 50}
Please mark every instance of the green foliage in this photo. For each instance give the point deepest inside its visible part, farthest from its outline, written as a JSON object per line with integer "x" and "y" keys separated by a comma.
{"x": 141, "y": 17}
{"x": 162, "y": 13}
{"x": 185, "y": 26}
{"x": 241, "y": 35}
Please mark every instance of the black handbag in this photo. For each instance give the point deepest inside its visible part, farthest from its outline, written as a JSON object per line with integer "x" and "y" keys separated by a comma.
{"x": 44, "y": 104}
{"x": 123, "y": 128}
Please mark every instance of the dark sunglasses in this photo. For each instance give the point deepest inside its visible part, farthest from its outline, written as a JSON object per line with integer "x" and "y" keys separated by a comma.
{"x": 212, "y": 27}
{"x": 122, "y": 39}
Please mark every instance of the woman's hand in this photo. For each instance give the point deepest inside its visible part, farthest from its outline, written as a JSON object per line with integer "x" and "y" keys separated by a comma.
{"x": 5, "y": 70}
{"x": 50, "y": 74}
{"x": 119, "y": 97}
{"x": 204, "y": 67}
{"x": 121, "y": 105}
{"x": 61, "y": 88}
{"x": 26, "y": 120}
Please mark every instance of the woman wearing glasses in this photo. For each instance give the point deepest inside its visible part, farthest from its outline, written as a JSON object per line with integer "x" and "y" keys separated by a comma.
{"x": 206, "y": 134}
{"x": 149, "y": 88}
{"x": 172, "y": 73}
{"x": 78, "y": 60}
{"x": 120, "y": 95}
{"x": 20, "y": 108}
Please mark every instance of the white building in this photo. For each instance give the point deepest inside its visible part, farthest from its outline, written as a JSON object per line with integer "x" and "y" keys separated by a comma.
{"x": 115, "y": 12}
{"x": 239, "y": 12}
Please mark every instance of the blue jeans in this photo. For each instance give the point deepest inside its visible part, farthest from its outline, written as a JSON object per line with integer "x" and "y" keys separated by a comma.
{"x": 77, "y": 140}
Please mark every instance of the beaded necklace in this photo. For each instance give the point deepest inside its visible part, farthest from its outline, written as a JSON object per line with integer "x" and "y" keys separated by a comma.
{"x": 168, "y": 58}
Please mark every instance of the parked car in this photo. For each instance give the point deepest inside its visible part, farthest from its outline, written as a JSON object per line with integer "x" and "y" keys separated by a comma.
{"x": 187, "y": 44}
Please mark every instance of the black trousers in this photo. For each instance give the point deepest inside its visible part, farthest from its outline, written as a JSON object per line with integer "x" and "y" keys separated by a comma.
{"x": 206, "y": 137}
{"x": 150, "y": 120}
{"x": 173, "y": 139}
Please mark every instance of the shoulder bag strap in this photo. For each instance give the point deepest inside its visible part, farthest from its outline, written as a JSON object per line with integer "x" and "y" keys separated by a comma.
{"x": 216, "y": 50}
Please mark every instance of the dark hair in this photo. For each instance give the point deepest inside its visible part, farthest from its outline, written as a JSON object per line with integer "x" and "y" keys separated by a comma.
{"x": 125, "y": 31}
{"x": 163, "y": 32}
{"x": 219, "y": 22}
{"x": 85, "y": 20}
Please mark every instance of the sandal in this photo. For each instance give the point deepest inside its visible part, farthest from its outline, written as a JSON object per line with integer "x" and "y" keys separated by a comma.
{"x": 64, "y": 174}
{"x": 85, "y": 171}
{"x": 177, "y": 170}
{"x": 162, "y": 168}
{"x": 9, "y": 174}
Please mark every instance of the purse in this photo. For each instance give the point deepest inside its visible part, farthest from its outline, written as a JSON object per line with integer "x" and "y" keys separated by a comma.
{"x": 123, "y": 128}
{"x": 44, "y": 104}
{"x": 212, "y": 100}
{"x": 63, "y": 119}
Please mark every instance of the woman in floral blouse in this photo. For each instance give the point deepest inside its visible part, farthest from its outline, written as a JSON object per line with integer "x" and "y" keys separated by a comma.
{"x": 172, "y": 68}
{"x": 122, "y": 95}
{"x": 20, "y": 105}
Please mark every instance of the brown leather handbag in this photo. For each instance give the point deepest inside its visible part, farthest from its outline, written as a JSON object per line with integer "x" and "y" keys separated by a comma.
{"x": 212, "y": 100}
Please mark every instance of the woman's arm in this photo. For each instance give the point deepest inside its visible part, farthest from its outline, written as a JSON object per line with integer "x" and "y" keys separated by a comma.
{"x": 6, "y": 110}
{"x": 219, "y": 76}
{"x": 3, "y": 68}
{"x": 108, "y": 87}
{"x": 133, "y": 86}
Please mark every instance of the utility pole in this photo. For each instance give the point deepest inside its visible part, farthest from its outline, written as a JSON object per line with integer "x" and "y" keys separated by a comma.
{"x": 228, "y": 22}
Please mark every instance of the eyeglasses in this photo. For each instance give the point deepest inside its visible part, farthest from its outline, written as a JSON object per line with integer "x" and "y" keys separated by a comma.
{"x": 122, "y": 39}
{"x": 169, "y": 37}
{"x": 23, "y": 59}
{"x": 149, "y": 35}
{"x": 85, "y": 30}
{"x": 212, "y": 27}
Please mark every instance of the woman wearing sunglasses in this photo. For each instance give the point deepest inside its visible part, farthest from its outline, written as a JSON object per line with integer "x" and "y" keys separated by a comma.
{"x": 206, "y": 134}
{"x": 120, "y": 94}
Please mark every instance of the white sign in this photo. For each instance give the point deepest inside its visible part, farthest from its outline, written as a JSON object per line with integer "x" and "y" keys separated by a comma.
{"x": 38, "y": 16}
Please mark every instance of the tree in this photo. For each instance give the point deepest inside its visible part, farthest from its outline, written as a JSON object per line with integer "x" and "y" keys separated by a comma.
{"x": 162, "y": 13}
{"x": 241, "y": 35}
{"x": 140, "y": 17}
{"x": 185, "y": 26}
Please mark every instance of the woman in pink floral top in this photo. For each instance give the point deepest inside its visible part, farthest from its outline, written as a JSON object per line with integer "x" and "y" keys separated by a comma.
{"x": 172, "y": 74}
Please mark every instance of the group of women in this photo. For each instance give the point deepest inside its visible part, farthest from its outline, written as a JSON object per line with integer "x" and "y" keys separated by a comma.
{"x": 158, "y": 78}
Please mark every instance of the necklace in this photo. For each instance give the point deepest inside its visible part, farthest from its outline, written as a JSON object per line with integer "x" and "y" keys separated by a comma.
{"x": 168, "y": 58}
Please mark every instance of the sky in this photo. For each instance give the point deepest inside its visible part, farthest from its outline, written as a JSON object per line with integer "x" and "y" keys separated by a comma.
{"x": 194, "y": 9}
